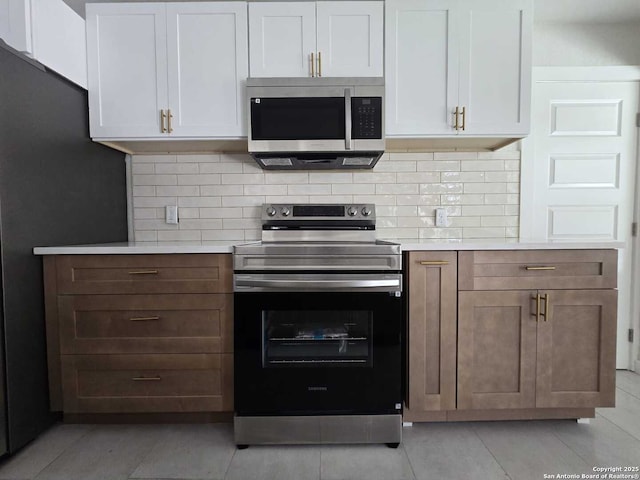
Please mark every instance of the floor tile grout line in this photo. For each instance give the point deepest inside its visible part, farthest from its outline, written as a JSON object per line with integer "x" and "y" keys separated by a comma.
{"x": 619, "y": 427}
{"x": 144, "y": 457}
{"x": 553, "y": 431}
{"x": 473, "y": 429}
{"x": 406, "y": 454}
{"x": 621, "y": 387}
{"x": 91, "y": 429}
{"x": 226, "y": 471}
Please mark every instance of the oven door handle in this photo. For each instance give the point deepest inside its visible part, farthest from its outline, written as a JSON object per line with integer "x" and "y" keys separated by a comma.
{"x": 386, "y": 284}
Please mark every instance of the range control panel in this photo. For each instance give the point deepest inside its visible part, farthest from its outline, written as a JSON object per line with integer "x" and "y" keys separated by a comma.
{"x": 319, "y": 212}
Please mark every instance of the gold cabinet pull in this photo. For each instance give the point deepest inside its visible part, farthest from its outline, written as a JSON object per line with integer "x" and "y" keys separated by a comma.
{"x": 319, "y": 64}
{"x": 163, "y": 117}
{"x": 464, "y": 117}
{"x": 434, "y": 262}
{"x": 169, "y": 117}
{"x": 456, "y": 113}
{"x": 143, "y": 272}
{"x": 313, "y": 63}
{"x": 144, "y": 319}
{"x": 537, "y": 312}
{"x": 157, "y": 378}
{"x": 547, "y": 267}
{"x": 546, "y": 307}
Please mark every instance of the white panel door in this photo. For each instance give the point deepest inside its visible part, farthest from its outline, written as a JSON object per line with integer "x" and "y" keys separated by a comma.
{"x": 421, "y": 67}
{"x": 207, "y": 65}
{"x": 127, "y": 70}
{"x": 350, "y": 38}
{"x": 584, "y": 153}
{"x": 282, "y": 37}
{"x": 495, "y": 66}
{"x": 15, "y": 24}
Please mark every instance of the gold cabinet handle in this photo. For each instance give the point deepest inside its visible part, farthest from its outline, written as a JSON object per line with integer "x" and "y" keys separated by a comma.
{"x": 313, "y": 63}
{"x": 434, "y": 262}
{"x": 319, "y": 64}
{"x": 143, "y": 319}
{"x": 456, "y": 113}
{"x": 548, "y": 267}
{"x": 169, "y": 117}
{"x": 144, "y": 272}
{"x": 546, "y": 307}
{"x": 537, "y": 312}
{"x": 157, "y": 378}
{"x": 464, "y": 117}
{"x": 163, "y": 117}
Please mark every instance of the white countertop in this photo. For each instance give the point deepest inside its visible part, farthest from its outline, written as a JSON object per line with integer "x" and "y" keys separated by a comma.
{"x": 129, "y": 248}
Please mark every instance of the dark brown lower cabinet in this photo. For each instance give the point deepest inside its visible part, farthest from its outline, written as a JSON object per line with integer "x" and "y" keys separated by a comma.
{"x": 542, "y": 349}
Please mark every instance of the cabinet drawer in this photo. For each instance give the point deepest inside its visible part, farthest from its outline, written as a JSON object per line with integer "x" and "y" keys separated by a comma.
{"x": 175, "y": 273}
{"x": 534, "y": 269}
{"x": 147, "y": 383}
{"x": 185, "y": 323}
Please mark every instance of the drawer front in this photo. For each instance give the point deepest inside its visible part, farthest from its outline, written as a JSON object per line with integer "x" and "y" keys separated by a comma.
{"x": 147, "y": 383}
{"x": 537, "y": 269}
{"x": 175, "y": 273}
{"x": 102, "y": 324}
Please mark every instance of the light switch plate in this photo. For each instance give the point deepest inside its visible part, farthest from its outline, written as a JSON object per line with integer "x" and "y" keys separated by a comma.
{"x": 441, "y": 217}
{"x": 171, "y": 214}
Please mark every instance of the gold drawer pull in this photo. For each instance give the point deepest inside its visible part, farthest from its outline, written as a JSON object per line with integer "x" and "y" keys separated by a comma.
{"x": 143, "y": 319}
{"x": 434, "y": 262}
{"x": 144, "y": 272}
{"x": 546, "y": 307}
{"x": 541, "y": 268}
{"x": 147, "y": 379}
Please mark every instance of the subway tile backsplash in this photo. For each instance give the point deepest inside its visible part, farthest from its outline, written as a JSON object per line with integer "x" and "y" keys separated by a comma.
{"x": 219, "y": 195}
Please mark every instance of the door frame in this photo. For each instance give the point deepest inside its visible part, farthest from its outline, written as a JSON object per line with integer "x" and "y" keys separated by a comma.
{"x": 629, "y": 73}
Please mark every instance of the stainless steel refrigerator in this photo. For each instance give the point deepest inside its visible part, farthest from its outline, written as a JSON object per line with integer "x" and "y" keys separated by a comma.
{"x": 56, "y": 188}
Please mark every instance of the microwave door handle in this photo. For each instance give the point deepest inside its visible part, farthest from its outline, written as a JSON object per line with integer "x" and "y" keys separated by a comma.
{"x": 347, "y": 118}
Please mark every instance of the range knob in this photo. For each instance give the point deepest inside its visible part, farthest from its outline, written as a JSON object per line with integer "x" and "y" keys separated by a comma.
{"x": 285, "y": 211}
{"x": 352, "y": 211}
{"x": 271, "y": 211}
{"x": 366, "y": 211}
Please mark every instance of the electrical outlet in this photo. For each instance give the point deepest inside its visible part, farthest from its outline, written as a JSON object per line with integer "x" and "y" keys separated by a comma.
{"x": 441, "y": 217}
{"x": 171, "y": 214}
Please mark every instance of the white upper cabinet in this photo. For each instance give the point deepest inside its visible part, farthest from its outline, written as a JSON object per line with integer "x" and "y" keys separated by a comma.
{"x": 458, "y": 67}
{"x": 48, "y": 31}
{"x": 15, "y": 24}
{"x": 422, "y": 67}
{"x": 166, "y": 69}
{"x": 307, "y": 39}
{"x": 495, "y": 66}
{"x": 207, "y": 65}
{"x": 282, "y": 36}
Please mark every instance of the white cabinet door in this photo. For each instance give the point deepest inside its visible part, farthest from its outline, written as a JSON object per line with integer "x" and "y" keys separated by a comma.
{"x": 126, "y": 47}
{"x": 59, "y": 39}
{"x": 350, "y": 38}
{"x": 422, "y": 67}
{"x": 282, "y": 37}
{"x": 495, "y": 66}
{"x": 15, "y": 24}
{"x": 207, "y": 65}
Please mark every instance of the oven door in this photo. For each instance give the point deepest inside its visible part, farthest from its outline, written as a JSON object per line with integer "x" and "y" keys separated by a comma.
{"x": 311, "y": 352}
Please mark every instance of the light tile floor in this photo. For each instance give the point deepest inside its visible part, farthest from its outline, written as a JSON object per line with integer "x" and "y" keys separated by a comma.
{"x": 456, "y": 451}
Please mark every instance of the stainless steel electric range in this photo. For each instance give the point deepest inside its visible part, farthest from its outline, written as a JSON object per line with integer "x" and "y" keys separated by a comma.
{"x": 318, "y": 322}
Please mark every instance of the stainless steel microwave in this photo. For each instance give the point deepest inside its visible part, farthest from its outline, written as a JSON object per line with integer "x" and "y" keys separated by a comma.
{"x": 316, "y": 123}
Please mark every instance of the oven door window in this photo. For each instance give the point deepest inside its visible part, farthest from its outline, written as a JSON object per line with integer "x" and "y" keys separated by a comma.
{"x": 306, "y": 118}
{"x": 316, "y": 338}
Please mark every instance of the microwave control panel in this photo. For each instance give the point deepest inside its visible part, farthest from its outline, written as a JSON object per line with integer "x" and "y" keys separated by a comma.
{"x": 366, "y": 118}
